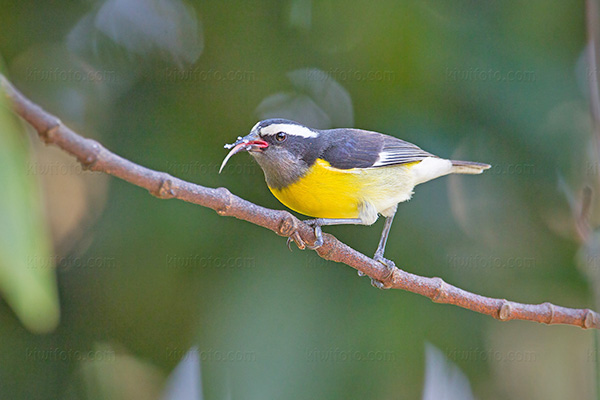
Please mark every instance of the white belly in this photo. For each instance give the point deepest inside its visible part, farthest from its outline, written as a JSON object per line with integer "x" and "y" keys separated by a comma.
{"x": 385, "y": 187}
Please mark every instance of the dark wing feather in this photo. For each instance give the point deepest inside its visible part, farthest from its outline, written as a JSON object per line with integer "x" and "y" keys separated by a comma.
{"x": 355, "y": 148}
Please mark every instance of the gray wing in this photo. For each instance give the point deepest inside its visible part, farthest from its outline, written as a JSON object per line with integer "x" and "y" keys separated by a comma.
{"x": 355, "y": 148}
{"x": 396, "y": 151}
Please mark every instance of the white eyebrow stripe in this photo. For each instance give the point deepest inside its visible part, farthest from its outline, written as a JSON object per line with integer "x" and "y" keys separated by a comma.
{"x": 292, "y": 129}
{"x": 255, "y": 126}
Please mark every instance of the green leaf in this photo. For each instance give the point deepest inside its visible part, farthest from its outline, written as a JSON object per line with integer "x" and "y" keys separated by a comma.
{"x": 27, "y": 270}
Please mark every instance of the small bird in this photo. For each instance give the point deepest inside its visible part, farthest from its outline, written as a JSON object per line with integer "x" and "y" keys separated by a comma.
{"x": 342, "y": 176}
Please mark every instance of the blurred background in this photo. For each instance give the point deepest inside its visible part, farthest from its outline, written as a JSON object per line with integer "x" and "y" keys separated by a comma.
{"x": 110, "y": 293}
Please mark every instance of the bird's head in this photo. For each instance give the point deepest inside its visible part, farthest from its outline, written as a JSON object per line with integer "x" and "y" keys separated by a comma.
{"x": 283, "y": 148}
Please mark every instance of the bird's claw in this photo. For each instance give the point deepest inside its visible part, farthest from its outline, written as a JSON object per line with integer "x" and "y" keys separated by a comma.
{"x": 375, "y": 282}
{"x": 301, "y": 243}
{"x": 295, "y": 237}
{"x": 319, "y": 242}
{"x": 378, "y": 284}
{"x": 390, "y": 266}
{"x": 314, "y": 223}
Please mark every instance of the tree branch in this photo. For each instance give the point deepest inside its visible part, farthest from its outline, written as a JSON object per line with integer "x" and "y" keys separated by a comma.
{"x": 93, "y": 156}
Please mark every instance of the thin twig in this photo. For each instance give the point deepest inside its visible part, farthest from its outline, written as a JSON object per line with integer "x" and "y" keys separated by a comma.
{"x": 93, "y": 156}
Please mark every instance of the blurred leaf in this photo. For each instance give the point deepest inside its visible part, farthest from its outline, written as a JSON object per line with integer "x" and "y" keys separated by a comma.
{"x": 27, "y": 275}
{"x": 112, "y": 374}
{"x": 168, "y": 29}
{"x": 319, "y": 101}
{"x": 65, "y": 83}
{"x": 443, "y": 379}
{"x": 184, "y": 381}
{"x": 294, "y": 106}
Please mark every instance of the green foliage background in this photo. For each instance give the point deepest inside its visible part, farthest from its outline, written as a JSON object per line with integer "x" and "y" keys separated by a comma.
{"x": 141, "y": 280}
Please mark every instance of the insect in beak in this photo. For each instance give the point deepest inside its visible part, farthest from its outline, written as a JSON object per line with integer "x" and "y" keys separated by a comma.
{"x": 250, "y": 142}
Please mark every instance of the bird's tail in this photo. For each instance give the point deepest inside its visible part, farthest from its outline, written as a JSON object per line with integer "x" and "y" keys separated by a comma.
{"x": 468, "y": 167}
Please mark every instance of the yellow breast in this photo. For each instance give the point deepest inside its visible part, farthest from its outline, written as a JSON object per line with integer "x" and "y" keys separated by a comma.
{"x": 324, "y": 192}
{"x": 327, "y": 192}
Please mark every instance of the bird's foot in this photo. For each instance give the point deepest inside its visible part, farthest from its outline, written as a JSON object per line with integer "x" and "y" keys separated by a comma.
{"x": 295, "y": 237}
{"x": 315, "y": 223}
{"x": 390, "y": 266}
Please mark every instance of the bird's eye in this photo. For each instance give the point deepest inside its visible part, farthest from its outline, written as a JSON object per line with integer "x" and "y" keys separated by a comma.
{"x": 280, "y": 136}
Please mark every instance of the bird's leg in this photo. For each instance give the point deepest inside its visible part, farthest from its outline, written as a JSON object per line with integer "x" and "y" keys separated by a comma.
{"x": 319, "y": 222}
{"x": 382, "y": 242}
{"x": 381, "y": 249}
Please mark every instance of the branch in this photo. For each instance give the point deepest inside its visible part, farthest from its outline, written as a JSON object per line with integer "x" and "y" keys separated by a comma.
{"x": 93, "y": 156}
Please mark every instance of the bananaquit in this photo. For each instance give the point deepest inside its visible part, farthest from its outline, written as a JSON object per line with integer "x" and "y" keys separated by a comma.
{"x": 342, "y": 176}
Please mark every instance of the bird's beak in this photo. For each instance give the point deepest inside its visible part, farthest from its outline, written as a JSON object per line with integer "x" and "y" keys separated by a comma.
{"x": 250, "y": 142}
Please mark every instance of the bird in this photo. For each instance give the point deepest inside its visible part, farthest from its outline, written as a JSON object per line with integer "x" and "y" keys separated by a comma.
{"x": 343, "y": 175}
